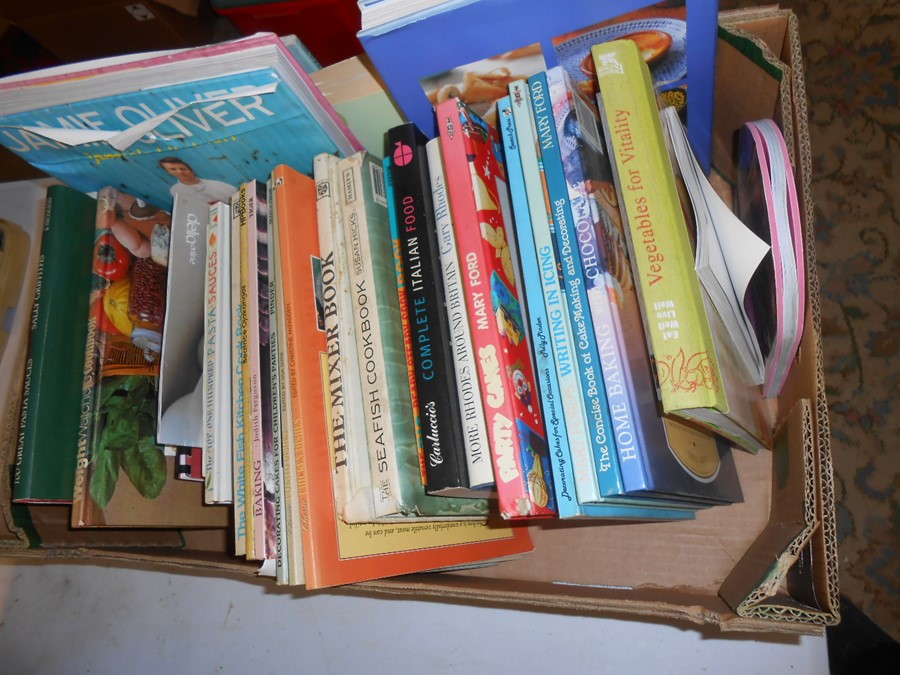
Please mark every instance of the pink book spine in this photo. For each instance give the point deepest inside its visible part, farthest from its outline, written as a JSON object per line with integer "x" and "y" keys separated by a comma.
{"x": 516, "y": 430}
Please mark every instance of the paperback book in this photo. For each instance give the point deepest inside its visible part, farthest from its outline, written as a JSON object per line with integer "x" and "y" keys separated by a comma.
{"x": 727, "y": 252}
{"x": 198, "y": 121}
{"x": 344, "y": 403}
{"x": 776, "y": 294}
{"x": 181, "y": 420}
{"x": 217, "y": 376}
{"x": 241, "y": 472}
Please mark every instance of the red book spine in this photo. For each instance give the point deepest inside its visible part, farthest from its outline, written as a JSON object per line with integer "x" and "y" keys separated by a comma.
{"x": 476, "y": 185}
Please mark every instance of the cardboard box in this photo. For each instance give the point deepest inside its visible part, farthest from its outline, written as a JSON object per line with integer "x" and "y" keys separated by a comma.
{"x": 727, "y": 568}
{"x": 96, "y": 28}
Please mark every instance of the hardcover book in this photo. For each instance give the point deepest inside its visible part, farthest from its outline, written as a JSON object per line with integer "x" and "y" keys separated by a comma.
{"x": 473, "y": 49}
{"x": 181, "y": 360}
{"x": 200, "y": 121}
{"x": 123, "y": 477}
{"x": 337, "y": 552}
{"x": 396, "y": 477}
{"x": 475, "y": 433}
{"x": 478, "y": 198}
{"x": 437, "y": 398}
{"x": 49, "y": 423}
{"x": 689, "y": 376}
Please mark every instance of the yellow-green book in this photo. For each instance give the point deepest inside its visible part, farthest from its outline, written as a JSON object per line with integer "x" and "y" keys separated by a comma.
{"x": 695, "y": 381}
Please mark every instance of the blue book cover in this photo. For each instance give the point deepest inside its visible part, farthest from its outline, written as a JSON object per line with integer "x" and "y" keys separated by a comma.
{"x": 168, "y": 132}
{"x": 473, "y": 49}
{"x": 565, "y": 240}
{"x": 540, "y": 339}
{"x": 579, "y": 142}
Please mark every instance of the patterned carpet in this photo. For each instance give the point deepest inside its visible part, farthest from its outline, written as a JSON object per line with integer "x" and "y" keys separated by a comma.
{"x": 852, "y": 60}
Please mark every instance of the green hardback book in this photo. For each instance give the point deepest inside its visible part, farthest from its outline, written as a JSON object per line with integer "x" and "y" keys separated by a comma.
{"x": 51, "y": 401}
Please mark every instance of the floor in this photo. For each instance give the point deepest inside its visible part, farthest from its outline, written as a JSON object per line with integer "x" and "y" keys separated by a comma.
{"x": 79, "y": 618}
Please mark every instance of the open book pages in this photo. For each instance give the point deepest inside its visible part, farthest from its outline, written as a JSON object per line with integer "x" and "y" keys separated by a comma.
{"x": 728, "y": 253}
{"x": 766, "y": 201}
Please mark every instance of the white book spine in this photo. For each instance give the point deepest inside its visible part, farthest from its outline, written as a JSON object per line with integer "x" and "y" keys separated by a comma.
{"x": 475, "y": 432}
{"x": 352, "y": 475}
{"x": 223, "y": 486}
{"x": 369, "y": 340}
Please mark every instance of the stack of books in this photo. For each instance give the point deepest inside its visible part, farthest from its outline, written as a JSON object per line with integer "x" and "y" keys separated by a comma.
{"x": 382, "y": 365}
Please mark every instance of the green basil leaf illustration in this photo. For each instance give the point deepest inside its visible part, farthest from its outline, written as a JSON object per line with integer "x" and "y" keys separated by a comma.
{"x": 104, "y": 474}
{"x": 145, "y": 465}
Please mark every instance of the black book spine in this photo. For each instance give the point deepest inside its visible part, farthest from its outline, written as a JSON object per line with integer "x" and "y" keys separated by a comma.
{"x": 438, "y": 402}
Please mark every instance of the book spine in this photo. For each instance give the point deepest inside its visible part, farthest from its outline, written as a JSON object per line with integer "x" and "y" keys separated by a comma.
{"x": 45, "y": 451}
{"x": 352, "y": 475}
{"x": 475, "y": 433}
{"x": 258, "y": 246}
{"x": 242, "y": 375}
{"x": 377, "y": 309}
{"x": 505, "y": 368}
{"x": 583, "y": 159}
{"x": 404, "y": 315}
{"x": 210, "y": 347}
{"x": 437, "y": 397}
{"x": 661, "y": 254}
{"x": 565, "y": 243}
{"x": 282, "y": 512}
{"x": 224, "y": 479}
{"x": 577, "y": 470}
{"x": 307, "y": 358}
{"x": 291, "y": 535}
{"x": 538, "y": 319}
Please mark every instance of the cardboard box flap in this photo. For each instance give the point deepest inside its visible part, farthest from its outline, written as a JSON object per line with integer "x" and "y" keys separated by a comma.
{"x": 761, "y": 91}
{"x": 777, "y": 576}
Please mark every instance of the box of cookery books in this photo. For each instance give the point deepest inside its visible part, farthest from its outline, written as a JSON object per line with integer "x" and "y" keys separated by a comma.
{"x": 768, "y": 564}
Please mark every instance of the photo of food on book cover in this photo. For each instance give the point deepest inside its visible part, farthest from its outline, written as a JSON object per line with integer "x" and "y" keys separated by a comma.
{"x": 123, "y": 476}
{"x": 659, "y": 29}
